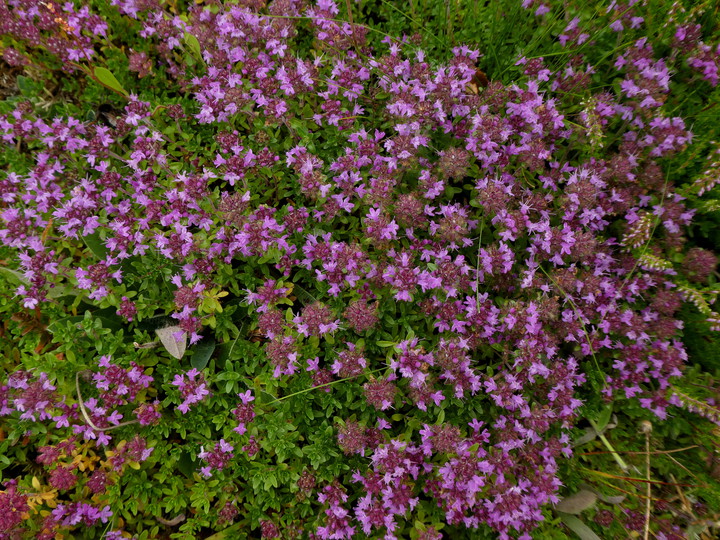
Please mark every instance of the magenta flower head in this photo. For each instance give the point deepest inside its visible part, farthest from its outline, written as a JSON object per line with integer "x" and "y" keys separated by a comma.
{"x": 316, "y": 320}
{"x": 244, "y": 412}
{"x": 310, "y": 200}
{"x": 216, "y": 459}
{"x": 193, "y": 389}
{"x": 699, "y": 264}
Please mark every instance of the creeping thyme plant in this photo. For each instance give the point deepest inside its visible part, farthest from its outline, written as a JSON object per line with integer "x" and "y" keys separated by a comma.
{"x": 300, "y": 269}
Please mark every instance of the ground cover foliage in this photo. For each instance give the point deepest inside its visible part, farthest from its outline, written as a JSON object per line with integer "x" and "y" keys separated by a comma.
{"x": 292, "y": 269}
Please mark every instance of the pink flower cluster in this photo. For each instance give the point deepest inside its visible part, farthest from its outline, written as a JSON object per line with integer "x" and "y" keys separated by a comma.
{"x": 216, "y": 459}
{"x": 521, "y": 233}
{"x": 34, "y": 398}
{"x": 75, "y": 513}
{"x": 119, "y": 386}
{"x": 59, "y": 28}
{"x": 193, "y": 388}
{"x": 136, "y": 450}
{"x": 244, "y": 412}
{"x": 12, "y": 507}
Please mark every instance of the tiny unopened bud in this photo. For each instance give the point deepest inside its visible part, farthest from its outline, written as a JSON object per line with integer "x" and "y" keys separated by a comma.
{"x": 646, "y": 427}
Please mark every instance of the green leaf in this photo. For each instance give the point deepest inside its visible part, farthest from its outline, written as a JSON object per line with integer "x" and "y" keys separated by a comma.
{"x": 186, "y": 465}
{"x": 193, "y": 44}
{"x": 14, "y": 274}
{"x": 225, "y": 533}
{"x": 111, "y": 323}
{"x": 604, "y": 418}
{"x": 578, "y": 527}
{"x": 153, "y": 323}
{"x": 25, "y": 85}
{"x": 96, "y": 245}
{"x": 106, "y": 78}
{"x": 202, "y": 353}
{"x": 270, "y": 481}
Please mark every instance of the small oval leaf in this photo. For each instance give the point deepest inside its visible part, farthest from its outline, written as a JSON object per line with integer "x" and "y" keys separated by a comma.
{"x": 106, "y": 78}
{"x": 175, "y": 346}
{"x": 25, "y": 85}
{"x": 574, "y": 504}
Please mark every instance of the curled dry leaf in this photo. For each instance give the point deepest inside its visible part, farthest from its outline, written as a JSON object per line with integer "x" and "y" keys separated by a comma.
{"x": 574, "y": 504}
{"x": 608, "y": 499}
{"x": 176, "y": 347}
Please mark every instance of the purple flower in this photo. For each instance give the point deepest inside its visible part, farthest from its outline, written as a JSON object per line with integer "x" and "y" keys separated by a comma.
{"x": 216, "y": 459}
{"x": 193, "y": 389}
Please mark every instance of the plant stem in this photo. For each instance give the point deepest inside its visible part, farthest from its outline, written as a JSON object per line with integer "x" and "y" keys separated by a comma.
{"x": 85, "y": 414}
{"x": 323, "y": 386}
{"x": 648, "y": 502}
{"x": 610, "y": 447}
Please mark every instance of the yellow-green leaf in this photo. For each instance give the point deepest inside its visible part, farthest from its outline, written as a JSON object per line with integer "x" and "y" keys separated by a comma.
{"x": 193, "y": 44}
{"x": 14, "y": 274}
{"x": 106, "y": 78}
